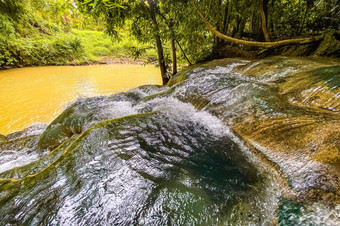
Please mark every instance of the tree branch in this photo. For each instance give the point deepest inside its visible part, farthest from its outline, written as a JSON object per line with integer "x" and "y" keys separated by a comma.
{"x": 255, "y": 43}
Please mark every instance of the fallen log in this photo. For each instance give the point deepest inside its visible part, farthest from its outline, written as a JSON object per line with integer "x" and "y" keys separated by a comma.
{"x": 295, "y": 41}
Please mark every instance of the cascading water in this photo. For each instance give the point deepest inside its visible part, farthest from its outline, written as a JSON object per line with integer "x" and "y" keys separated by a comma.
{"x": 211, "y": 149}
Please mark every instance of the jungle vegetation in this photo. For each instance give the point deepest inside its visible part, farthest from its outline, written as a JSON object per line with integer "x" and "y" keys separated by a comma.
{"x": 176, "y": 32}
{"x": 54, "y": 32}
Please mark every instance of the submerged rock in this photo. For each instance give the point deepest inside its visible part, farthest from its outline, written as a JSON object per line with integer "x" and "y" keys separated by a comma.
{"x": 34, "y": 130}
{"x": 85, "y": 113}
{"x": 230, "y": 142}
{"x": 287, "y": 110}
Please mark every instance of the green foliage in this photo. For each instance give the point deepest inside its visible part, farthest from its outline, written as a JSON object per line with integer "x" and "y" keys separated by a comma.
{"x": 303, "y": 17}
{"x": 114, "y": 13}
{"x": 13, "y": 8}
{"x": 77, "y": 46}
{"x": 101, "y": 51}
{"x": 41, "y": 50}
{"x": 190, "y": 32}
{"x": 7, "y": 29}
{"x": 35, "y": 32}
{"x": 24, "y": 26}
{"x": 99, "y": 44}
{"x": 7, "y": 32}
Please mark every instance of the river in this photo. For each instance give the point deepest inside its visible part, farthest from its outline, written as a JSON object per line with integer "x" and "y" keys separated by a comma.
{"x": 228, "y": 142}
{"x": 39, "y": 94}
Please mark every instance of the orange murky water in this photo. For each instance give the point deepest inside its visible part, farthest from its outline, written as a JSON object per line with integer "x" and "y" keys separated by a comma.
{"x": 39, "y": 94}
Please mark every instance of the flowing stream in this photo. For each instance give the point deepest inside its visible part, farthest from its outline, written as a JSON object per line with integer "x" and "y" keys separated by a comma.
{"x": 230, "y": 142}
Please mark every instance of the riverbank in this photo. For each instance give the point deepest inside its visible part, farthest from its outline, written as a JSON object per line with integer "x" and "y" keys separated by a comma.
{"x": 76, "y": 47}
{"x": 105, "y": 60}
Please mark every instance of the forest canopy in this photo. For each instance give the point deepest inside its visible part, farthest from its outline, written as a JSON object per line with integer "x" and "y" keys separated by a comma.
{"x": 176, "y": 29}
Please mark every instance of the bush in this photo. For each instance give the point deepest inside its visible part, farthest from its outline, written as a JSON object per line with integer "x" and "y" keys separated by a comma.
{"x": 41, "y": 50}
{"x": 101, "y": 51}
{"x": 57, "y": 48}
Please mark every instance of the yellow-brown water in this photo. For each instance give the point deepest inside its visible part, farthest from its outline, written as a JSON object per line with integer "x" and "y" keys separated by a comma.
{"x": 39, "y": 94}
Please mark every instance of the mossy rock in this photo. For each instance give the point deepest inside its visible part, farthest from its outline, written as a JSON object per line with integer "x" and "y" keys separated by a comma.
{"x": 330, "y": 155}
{"x": 36, "y": 166}
{"x": 318, "y": 88}
{"x": 3, "y": 139}
{"x": 28, "y": 142}
{"x": 200, "y": 68}
{"x": 34, "y": 130}
{"x": 85, "y": 113}
{"x": 180, "y": 77}
{"x": 330, "y": 46}
{"x": 62, "y": 128}
{"x": 270, "y": 110}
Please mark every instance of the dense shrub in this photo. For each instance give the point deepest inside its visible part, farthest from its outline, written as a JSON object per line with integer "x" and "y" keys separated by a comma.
{"x": 101, "y": 51}
{"x": 41, "y": 50}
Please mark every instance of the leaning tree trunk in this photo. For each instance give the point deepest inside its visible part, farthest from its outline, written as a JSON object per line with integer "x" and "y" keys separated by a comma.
{"x": 173, "y": 48}
{"x": 254, "y": 43}
{"x": 160, "y": 52}
{"x": 174, "y": 41}
{"x": 174, "y": 56}
{"x": 183, "y": 52}
{"x": 264, "y": 22}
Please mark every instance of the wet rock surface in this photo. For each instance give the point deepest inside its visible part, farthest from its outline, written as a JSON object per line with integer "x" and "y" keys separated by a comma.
{"x": 287, "y": 109}
{"x": 229, "y": 142}
{"x": 3, "y": 139}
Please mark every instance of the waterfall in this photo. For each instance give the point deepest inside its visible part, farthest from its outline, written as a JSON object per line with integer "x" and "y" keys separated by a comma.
{"x": 229, "y": 142}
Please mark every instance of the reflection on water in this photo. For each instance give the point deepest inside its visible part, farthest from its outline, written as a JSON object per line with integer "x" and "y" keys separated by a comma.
{"x": 39, "y": 94}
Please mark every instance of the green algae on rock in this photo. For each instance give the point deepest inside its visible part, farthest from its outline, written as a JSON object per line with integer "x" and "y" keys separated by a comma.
{"x": 3, "y": 139}
{"x": 230, "y": 142}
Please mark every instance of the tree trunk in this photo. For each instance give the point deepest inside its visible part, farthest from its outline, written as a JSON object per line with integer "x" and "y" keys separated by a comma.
{"x": 270, "y": 19}
{"x": 236, "y": 26}
{"x": 184, "y": 54}
{"x": 253, "y": 23}
{"x": 174, "y": 56}
{"x": 160, "y": 52}
{"x": 229, "y": 16}
{"x": 254, "y": 43}
{"x": 241, "y": 27}
{"x": 218, "y": 23}
{"x": 237, "y": 21}
{"x": 173, "y": 48}
{"x": 225, "y": 18}
{"x": 264, "y": 22}
{"x": 170, "y": 26}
